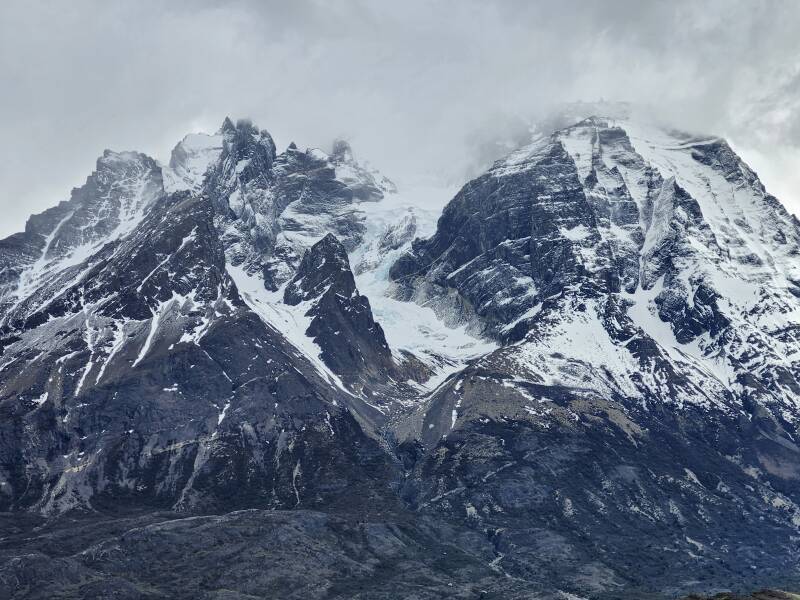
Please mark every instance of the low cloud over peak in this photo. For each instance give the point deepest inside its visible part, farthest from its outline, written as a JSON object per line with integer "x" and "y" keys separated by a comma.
{"x": 421, "y": 90}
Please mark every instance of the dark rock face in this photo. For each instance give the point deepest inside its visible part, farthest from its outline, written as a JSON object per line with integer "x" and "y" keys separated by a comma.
{"x": 113, "y": 200}
{"x": 501, "y": 242}
{"x": 693, "y": 316}
{"x": 545, "y": 474}
{"x": 239, "y": 181}
{"x": 546, "y": 221}
{"x": 309, "y": 182}
{"x": 18, "y": 251}
{"x": 353, "y": 345}
{"x": 623, "y": 261}
{"x": 154, "y": 385}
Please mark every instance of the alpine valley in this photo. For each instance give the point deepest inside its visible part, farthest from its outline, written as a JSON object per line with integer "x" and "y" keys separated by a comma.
{"x": 261, "y": 374}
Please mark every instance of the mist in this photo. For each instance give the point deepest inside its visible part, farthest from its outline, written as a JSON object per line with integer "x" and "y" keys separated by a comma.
{"x": 423, "y": 91}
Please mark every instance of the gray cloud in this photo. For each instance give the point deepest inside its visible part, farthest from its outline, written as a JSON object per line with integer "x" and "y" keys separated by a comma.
{"x": 422, "y": 89}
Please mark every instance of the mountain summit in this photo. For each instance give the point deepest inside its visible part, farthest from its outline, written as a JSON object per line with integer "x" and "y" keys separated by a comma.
{"x": 580, "y": 378}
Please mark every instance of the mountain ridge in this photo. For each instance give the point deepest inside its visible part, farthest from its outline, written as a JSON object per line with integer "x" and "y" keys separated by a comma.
{"x": 594, "y": 347}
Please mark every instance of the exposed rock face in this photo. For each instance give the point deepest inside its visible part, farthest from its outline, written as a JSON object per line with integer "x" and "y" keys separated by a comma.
{"x": 239, "y": 183}
{"x": 184, "y": 349}
{"x": 353, "y": 344}
{"x": 107, "y": 207}
{"x": 154, "y": 384}
{"x": 624, "y": 269}
{"x": 272, "y": 207}
{"x": 501, "y": 248}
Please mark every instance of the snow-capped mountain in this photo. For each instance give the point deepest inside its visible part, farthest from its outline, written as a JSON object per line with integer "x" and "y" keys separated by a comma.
{"x": 671, "y": 237}
{"x": 580, "y": 375}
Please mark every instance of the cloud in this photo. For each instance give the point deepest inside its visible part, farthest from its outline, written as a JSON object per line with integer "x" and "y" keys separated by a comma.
{"x": 422, "y": 89}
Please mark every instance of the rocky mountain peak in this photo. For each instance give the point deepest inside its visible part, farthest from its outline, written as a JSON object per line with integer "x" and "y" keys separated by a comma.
{"x": 324, "y": 266}
{"x": 352, "y": 344}
{"x": 227, "y": 127}
{"x": 342, "y": 152}
{"x": 112, "y": 202}
{"x": 248, "y": 151}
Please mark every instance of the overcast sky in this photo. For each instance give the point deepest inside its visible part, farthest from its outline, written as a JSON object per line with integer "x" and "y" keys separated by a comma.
{"x": 419, "y": 88}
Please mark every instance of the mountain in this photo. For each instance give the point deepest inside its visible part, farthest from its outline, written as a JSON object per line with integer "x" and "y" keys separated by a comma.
{"x": 641, "y": 285}
{"x": 282, "y": 376}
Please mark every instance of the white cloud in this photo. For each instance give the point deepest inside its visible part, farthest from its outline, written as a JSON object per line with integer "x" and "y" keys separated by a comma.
{"x": 420, "y": 88}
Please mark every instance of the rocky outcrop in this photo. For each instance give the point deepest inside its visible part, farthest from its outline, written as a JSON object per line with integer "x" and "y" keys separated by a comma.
{"x": 509, "y": 239}
{"x": 352, "y": 344}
